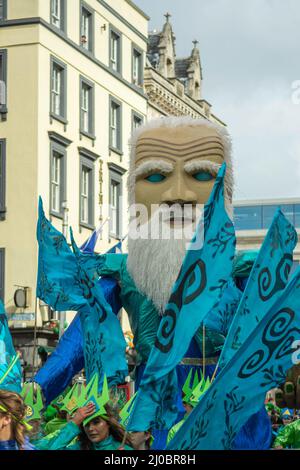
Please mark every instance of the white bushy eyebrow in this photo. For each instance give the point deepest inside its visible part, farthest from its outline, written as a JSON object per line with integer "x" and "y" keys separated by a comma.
{"x": 153, "y": 165}
{"x": 202, "y": 165}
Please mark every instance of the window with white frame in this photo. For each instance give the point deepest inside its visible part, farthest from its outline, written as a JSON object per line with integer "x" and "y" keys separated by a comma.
{"x": 57, "y": 185}
{"x": 137, "y": 67}
{"x": 58, "y": 14}
{"x": 114, "y": 201}
{"x": 58, "y": 87}
{"x": 85, "y": 194}
{"x": 86, "y": 28}
{"x": 87, "y": 108}
{"x": 137, "y": 121}
{"x": 3, "y": 81}
{"x": 114, "y": 206}
{"x": 86, "y": 187}
{"x": 56, "y": 181}
{"x": 115, "y": 125}
{"x": 115, "y": 51}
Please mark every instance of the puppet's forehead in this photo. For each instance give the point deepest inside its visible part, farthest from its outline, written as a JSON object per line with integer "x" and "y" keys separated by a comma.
{"x": 178, "y": 140}
{"x": 182, "y": 133}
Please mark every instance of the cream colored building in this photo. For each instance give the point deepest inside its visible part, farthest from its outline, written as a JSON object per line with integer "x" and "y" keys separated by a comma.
{"x": 253, "y": 218}
{"x": 73, "y": 75}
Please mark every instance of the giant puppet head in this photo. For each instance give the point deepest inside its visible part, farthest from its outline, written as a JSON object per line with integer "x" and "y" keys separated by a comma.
{"x": 174, "y": 161}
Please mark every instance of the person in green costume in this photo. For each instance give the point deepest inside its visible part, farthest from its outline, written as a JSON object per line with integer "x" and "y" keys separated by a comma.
{"x": 56, "y": 423}
{"x": 89, "y": 431}
{"x": 288, "y": 437}
{"x": 192, "y": 392}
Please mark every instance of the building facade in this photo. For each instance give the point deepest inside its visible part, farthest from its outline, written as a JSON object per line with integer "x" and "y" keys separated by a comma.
{"x": 253, "y": 218}
{"x": 71, "y": 90}
{"x": 174, "y": 85}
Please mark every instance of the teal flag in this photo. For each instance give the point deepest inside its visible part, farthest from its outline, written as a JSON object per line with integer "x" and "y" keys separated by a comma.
{"x": 221, "y": 316}
{"x": 268, "y": 277}
{"x": 205, "y": 272}
{"x": 64, "y": 285}
{"x": 10, "y": 367}
{"x": 239, "y": 390}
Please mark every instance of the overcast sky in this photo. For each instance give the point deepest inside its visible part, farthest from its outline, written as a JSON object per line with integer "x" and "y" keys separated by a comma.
{"x": 250, "y": 54}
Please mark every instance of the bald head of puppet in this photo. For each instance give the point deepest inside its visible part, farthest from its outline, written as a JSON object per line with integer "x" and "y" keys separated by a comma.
{"x": 173, "y": 161}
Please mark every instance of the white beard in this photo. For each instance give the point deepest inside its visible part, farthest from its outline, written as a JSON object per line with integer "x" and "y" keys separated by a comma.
{"x": 154, "y": 265}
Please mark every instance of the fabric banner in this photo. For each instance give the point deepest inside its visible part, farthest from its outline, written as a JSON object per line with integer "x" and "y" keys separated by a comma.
{"x": 268, "y": 277}
{"x": 239, "y": 390}
{"x": 205, "y": 272}
{"x": 10, "y": 367}
{"x": 64, "y": 285}
{"x": 221, "y": 316}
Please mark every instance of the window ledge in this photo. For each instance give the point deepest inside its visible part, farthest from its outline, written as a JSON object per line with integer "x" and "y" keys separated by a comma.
{"x": 138, "y": 85}
{"x": 88, "y": 226}
{"x": 87, "y": 134}
{"x": 118, "y": 151}
{"x": 56, "y": 214}
{"x": 114, "y": 236}
{"x": 61, "y": 30}
{"x": 88, "y": 52}
{"x": 116, "y": 72}
{"x": 59, "y": 118}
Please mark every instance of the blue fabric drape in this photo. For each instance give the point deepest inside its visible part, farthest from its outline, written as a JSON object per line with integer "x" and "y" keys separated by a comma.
{"x": 266, "y": 282}
{"x": 239, "y": 390}
{"x": 9, "y": 363}
{"x": 206, "y": 269}
{"x": 64, "y": 284}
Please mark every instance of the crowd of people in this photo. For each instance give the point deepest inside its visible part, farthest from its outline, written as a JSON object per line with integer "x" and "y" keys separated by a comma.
{"x": 25, "y": 424}
{"x": 82, "y": 419}
{"x": 285, "y": 426}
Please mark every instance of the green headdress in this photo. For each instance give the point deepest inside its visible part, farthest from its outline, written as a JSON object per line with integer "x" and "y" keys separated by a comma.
{"x": 125, "y": 413}
{"x": 59, "y": 401}
{"x": 99, "y": 400}
{"x": 189, "y": 386}
{"x": 74, "y": 399}
{"x": 199, "y": 390}
{"x": 126, "y": 410}
{"x": 32, "y": 397}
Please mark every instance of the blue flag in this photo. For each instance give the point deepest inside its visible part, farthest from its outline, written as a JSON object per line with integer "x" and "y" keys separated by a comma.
{"x": 117, "y": 248}
{"x": 10, "y": 367}
{"x": 205, "y": 272}
{"x": 89, "y": 245}
{"x": 268, "y": 277}
{"x": 239, "y": 390}
{"x": 221, "y": 316}
{"x": 62, "y": 284}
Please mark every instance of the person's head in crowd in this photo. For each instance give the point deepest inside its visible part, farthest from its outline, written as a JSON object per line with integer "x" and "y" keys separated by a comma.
{"x": 99, "y": 427}
{"x": 12, "y": 418}
{"x": 287, "y": 416}
{"x": 141, "y": 440}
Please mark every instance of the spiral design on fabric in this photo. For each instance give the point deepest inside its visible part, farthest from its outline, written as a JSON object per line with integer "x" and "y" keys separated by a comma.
{"x": 165, "y": 340}
{"x": 267, "y": 286}
{"x": 190, "y": 287}
{"x": 277, "y": 336}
